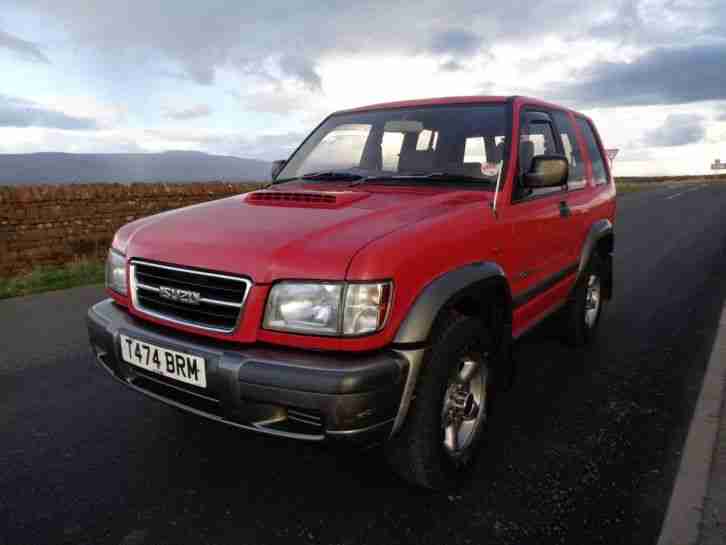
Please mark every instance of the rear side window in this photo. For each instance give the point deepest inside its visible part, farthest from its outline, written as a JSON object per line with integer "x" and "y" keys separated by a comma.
{"x": 572, "y": 151}
{"x": 599, "y": 171}
{"x": 427, "y": 140}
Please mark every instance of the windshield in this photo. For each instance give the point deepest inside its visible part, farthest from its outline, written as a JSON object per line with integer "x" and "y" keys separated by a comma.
{"x": 416, "y": 145}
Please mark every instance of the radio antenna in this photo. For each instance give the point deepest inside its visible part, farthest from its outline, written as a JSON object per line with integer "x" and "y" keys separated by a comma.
{"x": 496, "y": 189}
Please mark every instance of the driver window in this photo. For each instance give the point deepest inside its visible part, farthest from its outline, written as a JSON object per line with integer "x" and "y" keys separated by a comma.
{"x": 537, "y": 137}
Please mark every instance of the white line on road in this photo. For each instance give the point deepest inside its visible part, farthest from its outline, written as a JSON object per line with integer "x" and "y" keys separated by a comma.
{"x": 683, "y": 192}
{"x": 681, "y": 525}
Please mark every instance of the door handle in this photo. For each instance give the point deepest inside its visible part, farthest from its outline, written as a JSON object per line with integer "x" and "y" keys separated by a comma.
{"x": 565, "y": 209}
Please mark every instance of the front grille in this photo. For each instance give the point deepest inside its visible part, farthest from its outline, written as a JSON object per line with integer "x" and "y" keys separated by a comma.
{"x": 215, "y": 303}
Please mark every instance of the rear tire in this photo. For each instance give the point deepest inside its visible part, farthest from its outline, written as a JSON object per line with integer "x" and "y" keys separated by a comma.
{"x": 585, "y": 307}
{"x": 446, "y": 422}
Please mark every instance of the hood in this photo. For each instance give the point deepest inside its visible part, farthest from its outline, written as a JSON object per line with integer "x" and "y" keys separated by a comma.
{"x": 301, "y": 232}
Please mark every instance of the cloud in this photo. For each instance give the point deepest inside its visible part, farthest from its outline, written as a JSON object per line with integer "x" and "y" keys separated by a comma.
{"x": 451, "y": 66}
{"x": 16, "y": 112}
{"x": 677, "y": 130}
{"x": 192, "y": 112}
{"x": 302, "y": 69}
{"x": 632, "y": 154}
{"x": 455, "y": 42}
{"x": 22, "y": 48}
{"x": 204, "y": 40}
{"x": 276, "y": 99}
{"x": 675, "y": 75}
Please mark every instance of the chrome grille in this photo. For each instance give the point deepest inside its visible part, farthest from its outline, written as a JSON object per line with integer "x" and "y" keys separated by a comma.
{"x": 216, "y": 303}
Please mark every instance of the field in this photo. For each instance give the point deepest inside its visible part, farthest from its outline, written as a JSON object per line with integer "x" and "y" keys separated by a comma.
{"x": 631, "y": 184}
{"x": 40, "y": 216}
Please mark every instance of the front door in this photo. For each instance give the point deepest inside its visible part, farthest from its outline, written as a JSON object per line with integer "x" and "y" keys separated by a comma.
{"x": 540, "y": 222}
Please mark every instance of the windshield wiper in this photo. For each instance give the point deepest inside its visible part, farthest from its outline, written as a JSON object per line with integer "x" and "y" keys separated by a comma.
{"x": 331, "y": 175}
{"x": 435, "y": 176}
{"x": 450, "y": 176}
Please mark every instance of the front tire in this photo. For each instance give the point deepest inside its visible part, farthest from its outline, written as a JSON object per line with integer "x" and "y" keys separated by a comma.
{"x": 585, "y": 307}
{"x": 446, "y": 422}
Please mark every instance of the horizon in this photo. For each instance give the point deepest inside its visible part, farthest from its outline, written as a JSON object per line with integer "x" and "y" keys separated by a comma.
{"x": 190, "y": 151}
{"x": 94, "y": 77}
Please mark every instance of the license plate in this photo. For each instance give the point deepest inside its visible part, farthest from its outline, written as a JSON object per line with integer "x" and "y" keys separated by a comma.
{"x": 162, "y": 361}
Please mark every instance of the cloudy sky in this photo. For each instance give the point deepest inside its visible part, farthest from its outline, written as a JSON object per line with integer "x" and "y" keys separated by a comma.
{"x": 250, "y": 79}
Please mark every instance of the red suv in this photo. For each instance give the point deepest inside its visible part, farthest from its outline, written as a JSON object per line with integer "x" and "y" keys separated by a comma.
{"x": 372, "y": 291}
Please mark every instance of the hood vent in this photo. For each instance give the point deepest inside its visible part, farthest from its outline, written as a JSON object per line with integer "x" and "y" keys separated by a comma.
{"x": 304, "y": 199}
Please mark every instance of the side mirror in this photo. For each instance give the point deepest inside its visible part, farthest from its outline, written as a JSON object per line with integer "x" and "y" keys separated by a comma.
{"x": 277, "y": 166}
{"x": 547, "y": 171}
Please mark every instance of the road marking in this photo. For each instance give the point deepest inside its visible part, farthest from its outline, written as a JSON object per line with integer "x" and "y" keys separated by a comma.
{"x": 669, "y": 197}
{"x": 682, "y": 522}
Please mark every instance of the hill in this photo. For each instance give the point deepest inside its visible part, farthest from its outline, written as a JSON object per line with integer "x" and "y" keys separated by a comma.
{"x": 170, "y": 166}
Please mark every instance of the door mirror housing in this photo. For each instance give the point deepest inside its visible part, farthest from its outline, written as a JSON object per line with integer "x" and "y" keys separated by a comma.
{"x": 547, "y": 171}
{"x": 276, "y": 167}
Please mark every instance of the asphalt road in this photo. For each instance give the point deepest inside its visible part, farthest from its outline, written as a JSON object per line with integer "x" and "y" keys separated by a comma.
{"x": 583, "y": 450}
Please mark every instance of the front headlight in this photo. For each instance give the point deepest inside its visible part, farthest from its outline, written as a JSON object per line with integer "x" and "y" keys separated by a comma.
{"x": 327, "y": 308}
{"x": 116, "y": 271}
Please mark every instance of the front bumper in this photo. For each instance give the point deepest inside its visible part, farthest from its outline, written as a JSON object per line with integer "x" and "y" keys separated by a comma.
{"x": 290, "y": 393}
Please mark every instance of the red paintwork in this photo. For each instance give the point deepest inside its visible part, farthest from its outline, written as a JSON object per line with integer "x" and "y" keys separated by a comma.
{"x": 410, "y": 235}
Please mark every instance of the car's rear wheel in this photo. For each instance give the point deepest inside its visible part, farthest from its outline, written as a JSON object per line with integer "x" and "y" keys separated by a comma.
{"x": 446, "y": 422}
{"x": 585, "y": 307}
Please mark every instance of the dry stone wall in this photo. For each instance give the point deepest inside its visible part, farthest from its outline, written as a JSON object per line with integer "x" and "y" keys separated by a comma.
{"x": 46, "y": 225}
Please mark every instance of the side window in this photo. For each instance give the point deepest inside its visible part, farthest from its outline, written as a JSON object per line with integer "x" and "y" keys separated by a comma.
{"x": 427, "y": 140}
{"x": 599, "y": 170}
{"x": 572, "y": 151}
{"x": 536, "y": 137}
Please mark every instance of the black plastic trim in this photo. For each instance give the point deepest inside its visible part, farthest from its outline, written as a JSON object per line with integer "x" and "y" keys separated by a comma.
{"x": 420, "y": 318}
{"x": 546, "y": 284}
{"x": 255, "y": 385}
{"x": 319, "y": 373}
{"x": 599, "y": 230}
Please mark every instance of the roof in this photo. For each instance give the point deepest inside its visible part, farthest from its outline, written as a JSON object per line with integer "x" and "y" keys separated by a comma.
{"x": 476, "y": 99}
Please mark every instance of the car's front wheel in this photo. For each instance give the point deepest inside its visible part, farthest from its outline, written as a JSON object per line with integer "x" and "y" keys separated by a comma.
{"x": 586, "y": 304}
{"x": 446, "y": 422}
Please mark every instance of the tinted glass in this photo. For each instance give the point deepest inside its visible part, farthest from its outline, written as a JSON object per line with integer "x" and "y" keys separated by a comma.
{"x": 599, "y": 171}
{"x": 458, "y": 139}
{"x": 536, "y": 137}
{"x": 572, "y": 151}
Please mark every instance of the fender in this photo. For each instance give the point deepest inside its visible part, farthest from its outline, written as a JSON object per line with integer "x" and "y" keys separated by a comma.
{"x": 599, "y": 229}
{"x": 416, "y": 328}
{"x": 417, "y": 325}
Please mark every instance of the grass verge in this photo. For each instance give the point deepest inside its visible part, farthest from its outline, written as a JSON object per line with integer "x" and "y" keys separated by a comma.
{"x": 78, "y": 273}
{"x": 632, "y": 187}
